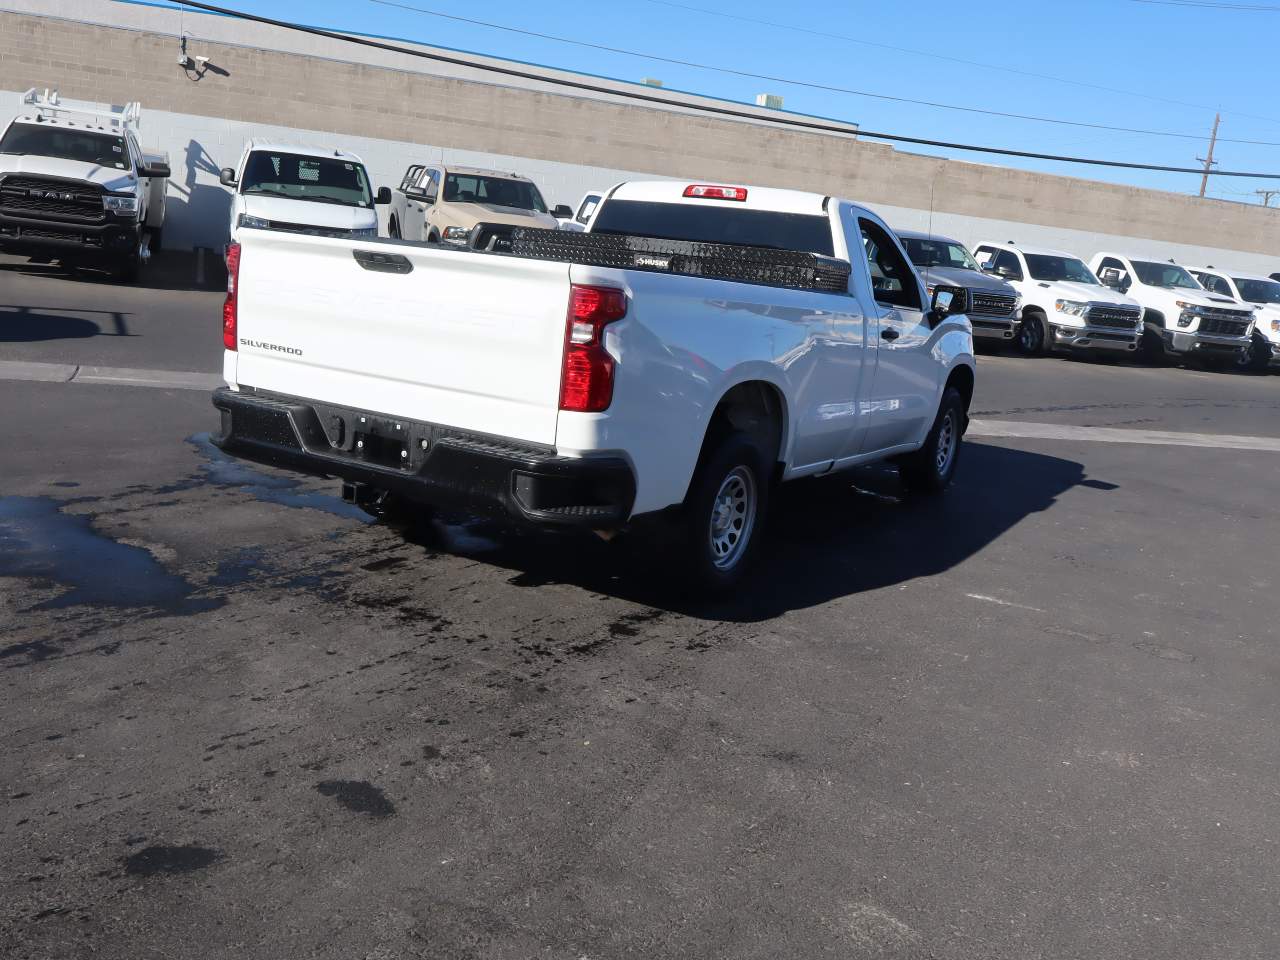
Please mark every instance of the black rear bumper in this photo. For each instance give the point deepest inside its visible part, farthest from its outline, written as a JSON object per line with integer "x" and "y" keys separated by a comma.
{"x": 426, "y": 462}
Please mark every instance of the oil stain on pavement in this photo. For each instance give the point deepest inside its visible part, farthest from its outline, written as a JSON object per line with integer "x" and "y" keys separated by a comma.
{"x": 358, "y": 796}
{"x": 39, "y": 540}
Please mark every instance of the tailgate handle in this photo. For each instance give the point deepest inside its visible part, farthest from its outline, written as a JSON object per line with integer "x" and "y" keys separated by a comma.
{"x": 382, "y": 262}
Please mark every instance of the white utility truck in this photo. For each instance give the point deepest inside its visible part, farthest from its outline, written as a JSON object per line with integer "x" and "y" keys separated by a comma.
{"x": 1181, "y": 318}
{"x": 302, "y": 189}
{"x": 1063, "y": 305}
{"x": 698, "y": 344}
{"x": 1260, "y": 293}
{"x": 76, "y": 187}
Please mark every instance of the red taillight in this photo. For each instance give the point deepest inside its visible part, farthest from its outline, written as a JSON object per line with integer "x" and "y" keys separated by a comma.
{"x": 705, "y": 191}
{"x": 586, "y": 382}
{"x": 229, "y": 306}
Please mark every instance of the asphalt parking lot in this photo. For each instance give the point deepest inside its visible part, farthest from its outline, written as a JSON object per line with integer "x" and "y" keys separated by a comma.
{"x": 1035, "y": 720}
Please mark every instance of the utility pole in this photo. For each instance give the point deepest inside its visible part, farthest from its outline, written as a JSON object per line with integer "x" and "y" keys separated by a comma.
{"x": 1208, "y": 161}
{"x": 1266, "y": 196}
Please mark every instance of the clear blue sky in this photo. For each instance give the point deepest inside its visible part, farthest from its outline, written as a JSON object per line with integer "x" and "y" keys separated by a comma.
{"x": 1205, "y": 58}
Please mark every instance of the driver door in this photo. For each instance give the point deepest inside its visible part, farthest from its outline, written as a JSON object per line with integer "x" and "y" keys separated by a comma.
{"x": 900, "y": 407}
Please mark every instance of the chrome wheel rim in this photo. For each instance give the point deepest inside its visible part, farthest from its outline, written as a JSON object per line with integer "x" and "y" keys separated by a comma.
{"x": 947, "y": 437}
{"x": 733, "y": 517}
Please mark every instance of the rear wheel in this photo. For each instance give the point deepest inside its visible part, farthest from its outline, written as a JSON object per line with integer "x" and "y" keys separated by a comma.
{"x": 932, "y": 468}
{"x": 1033, "y": 335}
{"x": 723, "y": 516}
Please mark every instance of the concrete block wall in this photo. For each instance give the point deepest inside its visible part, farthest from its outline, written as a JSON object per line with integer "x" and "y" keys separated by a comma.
{"x": 393, "y": 115}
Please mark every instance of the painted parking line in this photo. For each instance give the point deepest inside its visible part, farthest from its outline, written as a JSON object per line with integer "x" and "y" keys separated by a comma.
{"x": 1017, "y": 429}
{"x": 117, "y": 376}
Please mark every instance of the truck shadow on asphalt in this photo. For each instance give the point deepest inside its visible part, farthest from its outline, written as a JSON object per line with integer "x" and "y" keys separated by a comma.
{"x": 827, "y": 538}
{"x": 168, "y": 270}
{"x": 31, "y": 324}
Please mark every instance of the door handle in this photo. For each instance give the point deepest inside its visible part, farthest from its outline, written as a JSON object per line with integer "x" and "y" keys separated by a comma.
{"x": 382, "y": 262}
{"x": 889, "y": 334}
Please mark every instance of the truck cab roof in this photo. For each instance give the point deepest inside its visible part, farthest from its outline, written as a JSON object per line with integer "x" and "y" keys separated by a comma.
{"x": 1032, "y": 251}
{"x": 300, "y": 150}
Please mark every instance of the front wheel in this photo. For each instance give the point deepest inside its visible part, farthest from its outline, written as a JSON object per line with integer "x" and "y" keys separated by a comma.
{"x": 723, "y": 516}
{"x": 932, "y": 468}
{"x": 1151, "y": 347}
{"x": 393, "y": 229}
{"x": 1255, "y": 357}
{"x": 1033, "y": 335}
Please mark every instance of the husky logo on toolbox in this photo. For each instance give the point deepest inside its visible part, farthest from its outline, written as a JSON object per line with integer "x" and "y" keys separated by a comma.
{"x": 261, "y": 345}
{"x": 653, "y": 262}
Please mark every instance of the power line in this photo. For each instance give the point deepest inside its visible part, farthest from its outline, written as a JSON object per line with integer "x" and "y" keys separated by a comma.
{"x": 826, "y": 35}
{"x": 1245, "y": 7}
{"x": 811, "y": 85}
{"x": 778, "y": 121}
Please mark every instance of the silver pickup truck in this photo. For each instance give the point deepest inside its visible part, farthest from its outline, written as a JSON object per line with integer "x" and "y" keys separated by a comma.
{"x": 993, "y": 310}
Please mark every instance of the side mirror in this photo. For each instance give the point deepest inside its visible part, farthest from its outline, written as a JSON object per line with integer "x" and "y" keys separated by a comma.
{"x": 988, "y": 267}
{"x": 159, "y": 170}
{"x": 1110, "y": 277}
{"x": 562, "y": 211}
{"x": 947, "y": 301}
{"x": 227, "y": 177}
{"x": 383, "y": 195}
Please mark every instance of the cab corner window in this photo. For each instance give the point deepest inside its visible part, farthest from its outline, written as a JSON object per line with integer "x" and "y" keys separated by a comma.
{"x": 892, "y": 279}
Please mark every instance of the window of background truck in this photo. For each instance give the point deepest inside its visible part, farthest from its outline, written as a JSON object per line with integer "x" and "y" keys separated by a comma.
{"x": 708, "y": 224}
{"x": 1164, "y": 275}
{"x": 935, "y": 253}
{"x": 1258, "y": 291}
{"x": 82, "y": 145}
{"x": 588, "y": 207}
{"x": 318, "y": 179}
{"x": 892, "y": 279}
{"x": 1008, "y": 261}
{"x": 1049, "y": 268}
{"x": 501, "y": 192}
{"x": 410, "y": 176}
{"x": 1214, "y": 284}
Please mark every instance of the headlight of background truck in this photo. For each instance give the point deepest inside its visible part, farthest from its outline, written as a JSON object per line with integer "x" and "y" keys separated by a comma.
{"x": 121, "y": 205}
{"x": 455, "y": 234}
{"x": 1073, "y": 308}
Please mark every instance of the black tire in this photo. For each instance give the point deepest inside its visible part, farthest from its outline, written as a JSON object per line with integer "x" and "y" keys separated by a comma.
{"x": 1258, "y": 357}
{"x": 1151, "y": 349}
{"x": 1033, "y": 335}
{"x": 393, "y": 229}
{"x": 157, "y": 239}
{"x": 433, "y": 237}
{"x": 931, "y": 469}
{"x": 722, "y": 521}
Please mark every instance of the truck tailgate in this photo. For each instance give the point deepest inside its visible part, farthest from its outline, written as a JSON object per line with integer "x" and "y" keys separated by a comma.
{"x": 462, "y": 339}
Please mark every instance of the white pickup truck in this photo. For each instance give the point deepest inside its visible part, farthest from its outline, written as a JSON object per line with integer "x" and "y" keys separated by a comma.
{"x": 1181, "y": 317}
{"x": 577, "y": 221}
{"x": 75, "y": 186}
{"x": 1063, "y": 305}
{"x": 1263, "y": 295}
{"x": 698, "y": 344}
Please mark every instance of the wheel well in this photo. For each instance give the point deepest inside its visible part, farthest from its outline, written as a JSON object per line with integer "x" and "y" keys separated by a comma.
{"x": 1153, "y": 316}
{"x": 1035, "y": 310}
{"x": 962, "y": 379}
{"x": 756, "y": 408}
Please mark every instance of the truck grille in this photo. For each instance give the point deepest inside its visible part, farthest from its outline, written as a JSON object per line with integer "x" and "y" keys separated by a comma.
{"x": 71, "y": 201}
{"x": 1117, "y": 318}
{"x": 991, "y": 304}
{"x": 1225, "y": 323}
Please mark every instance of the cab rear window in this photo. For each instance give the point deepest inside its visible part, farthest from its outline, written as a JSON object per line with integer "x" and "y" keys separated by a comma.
{"x": 710, "y": 224}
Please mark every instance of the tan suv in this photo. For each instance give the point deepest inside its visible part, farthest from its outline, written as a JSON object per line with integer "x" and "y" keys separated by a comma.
{"x": 440, "y": 204}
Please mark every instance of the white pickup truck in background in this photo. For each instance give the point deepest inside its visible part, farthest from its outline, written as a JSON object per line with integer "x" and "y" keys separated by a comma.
{"x": 581, "y": 216}
{"x": 75, "y": 186}
{"x": 1182, "y": 318}
{"x": 644, "y": 367}
{"x": 292, "y": 187}
{"x": 1063, "y": 304}
{"x": 1260, "y": 293}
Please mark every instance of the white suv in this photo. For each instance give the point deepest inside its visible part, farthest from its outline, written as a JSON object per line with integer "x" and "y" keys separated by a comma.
{"x": 1063, "y": 304}
{"x": 1261, "y": 293}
